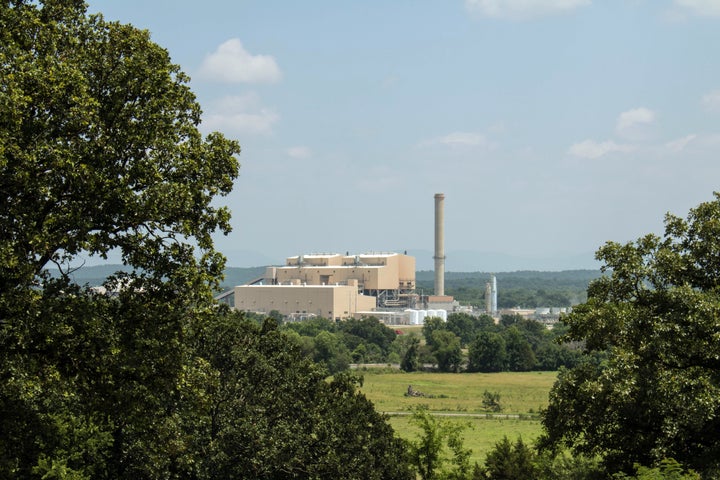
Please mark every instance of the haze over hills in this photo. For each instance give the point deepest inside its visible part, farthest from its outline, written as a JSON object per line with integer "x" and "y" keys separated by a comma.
{"x": 244, "y": 266}
{"x": 456, "y": 261}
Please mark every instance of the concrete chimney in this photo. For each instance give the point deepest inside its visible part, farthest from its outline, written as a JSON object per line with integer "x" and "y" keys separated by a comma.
{"x": 439, "y": 244}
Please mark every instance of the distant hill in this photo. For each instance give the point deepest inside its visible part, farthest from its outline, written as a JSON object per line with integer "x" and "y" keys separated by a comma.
{"x": 239, "y": 276}
{"x": 562, "y": 278}
{"x": 529, "y": 279}
{"x": 526, "y": 289}
{"x": 96, "y": 275}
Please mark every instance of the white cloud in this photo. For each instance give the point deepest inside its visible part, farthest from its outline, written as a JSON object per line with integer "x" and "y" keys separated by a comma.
{"x": 711, "y": 101}
{"x": 242, "y": 114}
{"x": 592, "y": 149}
{"x": 522, "y": 9}
{"x": 233, "y": 64}
{"x": 710, "y": 8}
{"x": 634, "y": 123}
{"x": 299, "y": 152}
{"x": 459, "y": 139}
{"x": 678, "y": 145}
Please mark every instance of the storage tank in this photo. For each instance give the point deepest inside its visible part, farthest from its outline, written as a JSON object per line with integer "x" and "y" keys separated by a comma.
{"x": 421, "y": 317}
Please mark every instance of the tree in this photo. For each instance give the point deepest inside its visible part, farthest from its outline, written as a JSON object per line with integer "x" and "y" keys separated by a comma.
{"x": 669, "y": 469}
{"x": 370, "y": 330}
{"x": 428, "y": 450}
{"x": 100, "y": 141}
{"x": 331, "y": 352}
{"x": 268, "y": 413}
{"x": 447, "y": 351}
{"x": 463, "y": 325}
{"x": 511, "y": 461}
{"x": 656, "y": 313}
{"x": 431, "y": 325}
{"x": 411, "y": 360}
{"x": 520, "y": 357}
{"x": 100, "y": 152}
{"x": 487, "y": 353}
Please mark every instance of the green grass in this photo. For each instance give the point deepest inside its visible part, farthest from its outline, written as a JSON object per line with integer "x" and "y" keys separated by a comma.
{"x": 523, "y": 393}
{"x": 480, "y": 435}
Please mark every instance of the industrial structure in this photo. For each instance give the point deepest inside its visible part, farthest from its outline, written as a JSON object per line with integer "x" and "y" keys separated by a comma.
{"x": 439, "y": 244}
{"x": 338, "y": 286}
{"x": 331, "y": 285}
{"x": 439, "y": 301}
{"x": 491, "y": 307}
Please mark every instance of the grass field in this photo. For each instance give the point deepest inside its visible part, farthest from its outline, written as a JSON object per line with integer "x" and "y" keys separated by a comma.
{"x": 461, "y": 394}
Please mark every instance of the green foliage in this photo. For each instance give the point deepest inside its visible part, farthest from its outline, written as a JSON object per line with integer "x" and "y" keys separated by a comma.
{"x": 447, "y": 351}
{"x": 100, "y": 140}
{"x": 336, "y": 344}
{"x": 371, "y": 330}
{"x": 569, "y": 467}
{"x": 491, "y": 401}
{"x": 511, "y": 461}
{"x": 657, "y": 316}
{"x": 331, "y": 352}
{"x": 526, "y": 289}
{"x": 268, "y": 413}
{"x": 487, "y": 353}
{"x": 100, "y": 152}
{"x": 520, "y": 356}
{"x": 467, "y": 326}
{"x": 429, "y": 450}
{"x": 312, "y": 326}
{"x": 411, "y": 360}
{"x": 429, "y": 327}
{"x": 516, "y": 344}
{"x": 669, "y": 469}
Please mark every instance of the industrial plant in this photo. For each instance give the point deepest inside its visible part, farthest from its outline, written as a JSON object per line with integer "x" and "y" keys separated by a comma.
{"x": 335, "y": 286}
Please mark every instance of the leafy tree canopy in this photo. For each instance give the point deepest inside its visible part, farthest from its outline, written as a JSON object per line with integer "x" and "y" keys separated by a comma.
{"x": 657, "y": 314}
{"x": 100, "y": 151}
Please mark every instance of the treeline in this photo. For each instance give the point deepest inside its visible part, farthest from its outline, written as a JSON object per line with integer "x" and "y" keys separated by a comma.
{"x": 524, "y": 289}
{"x": 462, "y": 343}
{"x": 514, "y": 344}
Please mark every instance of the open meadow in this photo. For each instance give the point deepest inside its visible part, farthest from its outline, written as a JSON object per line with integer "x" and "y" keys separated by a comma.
{"x": 459, "y": 398}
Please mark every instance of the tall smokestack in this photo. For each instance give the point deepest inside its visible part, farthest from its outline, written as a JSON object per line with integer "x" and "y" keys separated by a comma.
{"x": 439, "y": 244}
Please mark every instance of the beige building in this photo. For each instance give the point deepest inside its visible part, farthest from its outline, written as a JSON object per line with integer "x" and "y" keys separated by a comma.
{"x": 388, "y": 276}
{"x": 302, "y": 301}
{"x": 330, "y": 285}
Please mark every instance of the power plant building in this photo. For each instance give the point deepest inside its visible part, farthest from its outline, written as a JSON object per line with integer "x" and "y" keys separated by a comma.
{"x": 338, "y": 286}
{"x": 331, "y": 285}
{"x": 298, "y": 302}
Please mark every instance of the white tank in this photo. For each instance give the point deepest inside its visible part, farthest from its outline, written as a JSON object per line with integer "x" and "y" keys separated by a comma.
{"x": 442, "y": 314}
{"x": 412, "y": 316}
{"x": 421, "y": 317}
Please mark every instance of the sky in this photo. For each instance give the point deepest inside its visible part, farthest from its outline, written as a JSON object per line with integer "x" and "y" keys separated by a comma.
{"x": 551, "y": 126}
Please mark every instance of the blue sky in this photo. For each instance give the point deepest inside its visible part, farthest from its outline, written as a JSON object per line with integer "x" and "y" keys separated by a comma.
{"x": 551, "y": 126}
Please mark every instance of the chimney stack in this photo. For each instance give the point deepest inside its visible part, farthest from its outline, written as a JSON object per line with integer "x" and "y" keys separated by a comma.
{"x": 439, "y": 244}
